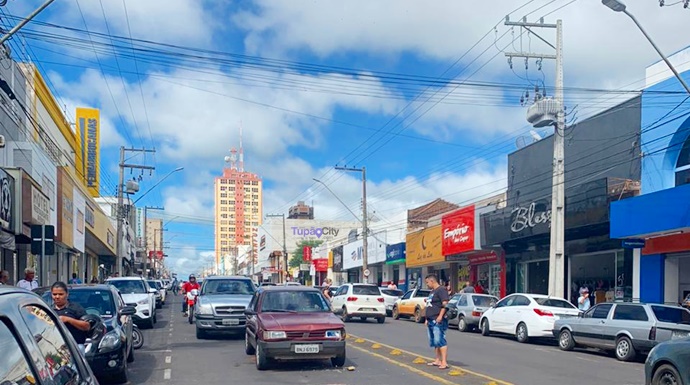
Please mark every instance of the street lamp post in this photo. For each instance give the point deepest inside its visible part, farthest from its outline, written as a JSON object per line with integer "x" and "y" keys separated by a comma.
{"x": 365, "y": 226}
{"x": 619, "y": 6}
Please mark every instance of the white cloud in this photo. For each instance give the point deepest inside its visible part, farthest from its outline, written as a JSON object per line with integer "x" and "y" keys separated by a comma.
{"x": 188, "y": 260}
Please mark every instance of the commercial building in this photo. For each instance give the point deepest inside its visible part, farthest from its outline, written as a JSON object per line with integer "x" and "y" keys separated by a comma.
{"x": 301, "y": 211}
{"x": 657, "y": 223}
{"x": 238, "y": 207}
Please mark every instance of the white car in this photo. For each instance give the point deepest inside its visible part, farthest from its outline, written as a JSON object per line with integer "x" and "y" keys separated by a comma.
{"x": 526, "y": 315}
{"x": 158, "y": 285}
{"x": 389, "y": 297}
{"x": 359, "y": 300}
{"x": 136, "y": 292}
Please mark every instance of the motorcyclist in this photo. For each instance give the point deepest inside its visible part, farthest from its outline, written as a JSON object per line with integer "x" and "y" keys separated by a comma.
{"x": 186, "y": 288}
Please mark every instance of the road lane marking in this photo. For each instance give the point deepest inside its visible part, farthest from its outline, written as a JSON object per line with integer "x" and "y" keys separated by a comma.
{"x": 500, "y": 382}
{"x": 166, "y": 374}
{"x": 156, "y": 351}
{"x": 430, "y": 376}
{"x": 168, "y": 359}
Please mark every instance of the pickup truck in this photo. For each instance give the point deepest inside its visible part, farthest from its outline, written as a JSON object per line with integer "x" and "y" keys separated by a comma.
{"x": 412, "y": 305}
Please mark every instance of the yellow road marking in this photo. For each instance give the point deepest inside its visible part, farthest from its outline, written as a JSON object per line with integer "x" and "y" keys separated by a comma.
{"x": 497, "y": 381}
{"x": 430, "y": 376}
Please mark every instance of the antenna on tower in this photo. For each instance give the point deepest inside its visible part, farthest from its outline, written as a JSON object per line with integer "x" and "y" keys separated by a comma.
{"x": 241, "y": 150}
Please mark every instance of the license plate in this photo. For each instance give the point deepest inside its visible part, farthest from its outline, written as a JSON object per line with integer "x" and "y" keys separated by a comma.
{"x": 302, "y": 349}
{"x": 679, "y": 334}
{"x": 231, "y": 321}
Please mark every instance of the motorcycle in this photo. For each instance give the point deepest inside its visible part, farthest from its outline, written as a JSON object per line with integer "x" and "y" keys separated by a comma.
{"x": 191, "y": 300}
{"x": 137, "y": 337}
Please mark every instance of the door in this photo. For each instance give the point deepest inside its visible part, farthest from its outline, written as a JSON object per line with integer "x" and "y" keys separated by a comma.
{"x": 251, "y": 322}
{"x": 498, "y": 318}
{"x": 632, "y": 318}
{"x": 587, "y": 330}
{"x": 404, "y": 302}
{"x": 339, "y": 298}
{"x": 516, "y": 312}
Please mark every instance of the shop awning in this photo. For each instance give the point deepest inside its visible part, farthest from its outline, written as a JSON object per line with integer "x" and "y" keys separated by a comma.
{"x": 664, "y": 212}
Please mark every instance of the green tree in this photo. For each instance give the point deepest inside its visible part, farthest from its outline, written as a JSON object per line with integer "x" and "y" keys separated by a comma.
{"x": 297, "y": 256}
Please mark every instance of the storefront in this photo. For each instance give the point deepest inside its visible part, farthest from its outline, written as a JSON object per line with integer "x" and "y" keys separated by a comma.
{"x": 339, "y": 277}
{"x": 424, "y": 256}
{"x": 395, "y": 264}
{"x": 8, "y": 225}
{"x": 59, "y": 266}
{"x": 376, "y": 258}
{"x": 99, "y": 243}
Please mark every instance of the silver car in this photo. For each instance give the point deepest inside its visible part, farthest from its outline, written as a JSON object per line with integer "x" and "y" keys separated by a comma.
{"x": 220, "y": 305}
{"x": 469, "y": 309}
{"x": 626, "y": 328}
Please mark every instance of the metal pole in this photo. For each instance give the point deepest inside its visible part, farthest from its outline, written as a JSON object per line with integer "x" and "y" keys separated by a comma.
{"x": 556, "y": 255}
{"x": 668, "y": 63}
{"x": 365, "y": 227}
{"x": 285, "y": 256}
{"x": 119, "y": 212}
{"x": 25, "y": 21}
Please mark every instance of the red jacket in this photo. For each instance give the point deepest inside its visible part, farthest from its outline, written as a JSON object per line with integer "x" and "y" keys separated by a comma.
{"x": 187, "y": 287}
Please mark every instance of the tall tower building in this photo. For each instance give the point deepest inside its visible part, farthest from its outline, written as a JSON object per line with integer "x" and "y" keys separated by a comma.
{"x": 238, "y": 211}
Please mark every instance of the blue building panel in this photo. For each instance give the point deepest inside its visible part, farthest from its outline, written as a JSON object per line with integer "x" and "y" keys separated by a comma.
{"x": 649, "y": 214}
{"x": 652, "y": 278}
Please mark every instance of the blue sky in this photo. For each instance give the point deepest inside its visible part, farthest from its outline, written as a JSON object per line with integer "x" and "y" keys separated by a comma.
{"x": 315, "y": 84}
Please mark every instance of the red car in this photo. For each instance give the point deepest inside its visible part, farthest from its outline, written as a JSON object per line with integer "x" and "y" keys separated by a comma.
{"x": 293, "y": 323}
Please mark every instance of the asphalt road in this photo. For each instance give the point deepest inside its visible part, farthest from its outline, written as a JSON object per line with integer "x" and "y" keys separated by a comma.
{"x": 393, "y": 353}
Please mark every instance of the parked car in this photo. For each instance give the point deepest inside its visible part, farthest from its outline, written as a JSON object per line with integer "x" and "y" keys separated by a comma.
{"x": 389, "y": 298}
{"x": 625, "y": 328}
{"x": 136, "y": 292}
{"x": 469, "y": 308}
{"x": 686, "y": 302}
{"x": 331, "y": 289}
{"x": 30, "y": 334}
{"x": 526, "y": 316}
{"x": 221, "y": 303}
{"x": 411, "y": 304}
{"x": 359, "y": 300}
{"x": 109, "y": 354}
{"x": 160, "y": 296}
{"x": 668, "y": 363}
{"x": 293, "y": 322}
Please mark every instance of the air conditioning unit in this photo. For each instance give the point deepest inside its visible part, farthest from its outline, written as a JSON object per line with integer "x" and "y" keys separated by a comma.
{"x": 2, "y": 141}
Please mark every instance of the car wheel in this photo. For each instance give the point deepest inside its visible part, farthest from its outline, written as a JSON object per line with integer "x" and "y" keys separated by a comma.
{"x": 339, "y": 360}
{"x": 345, "y": 316}
{"x": 363, "y": 318}
{"x": 396, "y": 313}
{"x": 462, "y": 325}
{"x": 485, "y": 327}
{"x": 381, "y": 320}
{"x": 130, "y": 356}
{"x": 248, "y": 348}
{"x": 624, "y": 349}
{"x": 418, "y": 316}
{"x": 137, "y": 338}
{"x": 261, "y": 359}
{"x": 200, "y": 334}
{"x": 521, "y": 333}
{"x": 666, "y": 375}
{"x": 121, "y": 377}
{"x": 565, "y": 340}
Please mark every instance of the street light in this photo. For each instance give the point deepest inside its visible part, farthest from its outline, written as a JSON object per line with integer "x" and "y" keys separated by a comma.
{"x": 619, "y": 6}
{"x": 157, "y": 183}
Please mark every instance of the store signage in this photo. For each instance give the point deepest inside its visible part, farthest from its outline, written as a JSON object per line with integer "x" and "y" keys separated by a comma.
{"x": 6, "y": 200}
{"x": 458, "y": 231}
{"x": 633, "y": 243}
{"x": 89, "y": 216}
{"x": 338, "y": 259}
{"x": 157, "y": 254}
{"x": 480, "y": 259}
{"x": 262, "y": 243}
{"x": 321, "y": 264}
{"x": 395, "y": 253}
{"x": 88, "y": 133}
{"x": 524, "y": 217}
{"x": 424, "y": 247}
{"x": 315, "y": 231}
{"x": 40, "y": 207}
{"x": 304, "y": 266}
{"x": 306, "y": 253}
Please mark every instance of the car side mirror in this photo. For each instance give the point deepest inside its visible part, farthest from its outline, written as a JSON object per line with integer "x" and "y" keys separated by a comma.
{"x": 153, "y": 291}
{"x": 249, "y": 312}
{"x": 128, "y": 310}
{"x": 580, "y": 315}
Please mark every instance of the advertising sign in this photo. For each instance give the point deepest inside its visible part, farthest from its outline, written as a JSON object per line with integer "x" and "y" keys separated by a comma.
{"x": 458, "y": 231}
{"x": 141, "y": 222}
{"x": 395, "y": 253}
{"x": 79, "y": 205}
{"x": 7, "y": 198}
{"x": 306, "y": 253}
{"x": 88, "y": 135}
{"x": 424, "y": 247}
{"x": 353, "y": 252}
{"x": 65, "y": 209}
{"x": 338, "y": 259}
{"x": 262, "y": 243}
{"x": 315, "y": 232}
{"x": 321, "y": 265}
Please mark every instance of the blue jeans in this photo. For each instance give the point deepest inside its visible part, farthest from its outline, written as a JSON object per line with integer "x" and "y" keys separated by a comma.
{"x": 437, "y": 333}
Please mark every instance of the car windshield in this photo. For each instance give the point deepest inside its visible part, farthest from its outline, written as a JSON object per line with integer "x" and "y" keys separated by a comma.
{"x": 97, "y": 302}
{"x": 294, "y": 301}
{"x": 154, "y": 285}
{"x": 228, "y": 286}
{"x": 392, "y": 292}
{"x": 480, "y": 300}
{"x": 129, "y": 286}
{"x": 365, "y": 290}
{"x": 671, "y": 314}
{"x": 553, "y": 302}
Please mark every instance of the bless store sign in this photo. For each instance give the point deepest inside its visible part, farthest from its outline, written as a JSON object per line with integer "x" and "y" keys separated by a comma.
{"x": 459, "y": 231}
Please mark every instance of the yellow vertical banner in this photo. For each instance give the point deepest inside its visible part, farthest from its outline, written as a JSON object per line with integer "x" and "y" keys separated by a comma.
{"x": 88, "y": 143}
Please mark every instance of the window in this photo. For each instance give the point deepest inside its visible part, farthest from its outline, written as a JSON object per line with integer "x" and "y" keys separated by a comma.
{"x": 483, "y": 301}
{"x": 630, "y": 313}
{"x": 553, "y": 302}
{"x": 297, "y": 301}
{"x": 223, "y": 195}
{"x": 229, "y": 286}
{"x": 598, "y": 311}
{"x": 129, "y": 286}
{"x": 669, "y": 314}
{"x": 342, "y": 290}
{"x": 52, "y": 344}
{"x": 683, "y": 164}
{"x": 462, "y": 301}
{"x": 422, "y": 293}
{"x": 407, "y": 295}
{"x": 365, "y": 290}
{"x": 97, "y": 302}
{"x": 254, "y": 301}
{"x": 520, "y": 300}
{"x": 224, "y": 201}
{"x": 14, "y": 366}
{"x": 392, "y": 292}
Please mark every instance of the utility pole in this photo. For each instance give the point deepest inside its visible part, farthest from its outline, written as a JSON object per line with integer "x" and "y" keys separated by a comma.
{"x": 551, "y": 112}
{"x": 365, "y": 225}
{"x": 120, "y": 211}
{"x": 285, "y": 256}
{"x": 144, "y": 235}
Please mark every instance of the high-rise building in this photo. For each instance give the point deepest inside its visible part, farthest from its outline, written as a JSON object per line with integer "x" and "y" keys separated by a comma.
{"x": 301, "y": 211}
{"x": 238, "y": 209}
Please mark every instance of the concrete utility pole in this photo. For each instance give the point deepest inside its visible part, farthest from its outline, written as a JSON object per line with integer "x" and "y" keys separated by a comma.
{"x": 146, "y": 208}
{"x": 550, "y": 112}
{"x": 285, "y": 256}
{"x": 365, "y": 224}
{"x": 25, "y": 21}
{"x": 120, "y": 211}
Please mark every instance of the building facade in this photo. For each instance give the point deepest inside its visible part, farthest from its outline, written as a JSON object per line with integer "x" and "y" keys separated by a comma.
{"x": 301, "y": 211}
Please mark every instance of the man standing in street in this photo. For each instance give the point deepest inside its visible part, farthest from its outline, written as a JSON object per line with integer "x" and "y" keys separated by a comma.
{"x": 29, "y": 282}
{"x": 436, "y": 321}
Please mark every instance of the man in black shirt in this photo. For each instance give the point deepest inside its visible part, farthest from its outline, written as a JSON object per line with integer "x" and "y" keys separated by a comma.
{"x": 436, "y": 320}
{"x": 70, "y": 313}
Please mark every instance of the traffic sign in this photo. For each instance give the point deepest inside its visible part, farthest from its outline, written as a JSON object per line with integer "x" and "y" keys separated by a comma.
{"x": 367, "y": 272}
